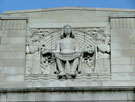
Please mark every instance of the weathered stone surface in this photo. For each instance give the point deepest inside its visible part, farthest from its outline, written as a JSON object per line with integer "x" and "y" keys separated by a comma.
{"x": 30, "y": 96}
{"x": 14, "y": 97}
{"x": 3, "y": 47}
{"x": 3, "y": 97}
{"x": 113, "y": 96}
{"x": 1, "y": 70}
{"x": 120, "y": 36}
{"x": 12, "y": 40}
{"x": 13, "y": 70}
{"x": 121, "y": 60}
{"x": 60, "y": 25}
{"x": 121, "y": 76}
{"x": 3, "y": 33}
{"x": 123, "y": 68}
{"x": 12, "y": 55}
{"x": 119, "y": 83}
{"x": 16, "y": 33}
{"x": 16, "y": 47}
{"x": 13, "y": 24}
{"x": 123, "y": 23}
{"x": 51, "y": 96}
{"x": 88, "y": 24}
{"x": 121, "y": 53}
{"x": 2, "y": 77}
{"x": 92, "y": 94}
{"x": 83, "y": 96}
{"x": 131, "y": 96}
{"x": 12, "y": 62}
{"x": 15, "y": 77}
{"x": 120, "y": 46}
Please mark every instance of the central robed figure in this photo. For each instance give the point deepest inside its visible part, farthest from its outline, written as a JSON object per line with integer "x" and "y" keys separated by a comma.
{"x": 67, "y": 53}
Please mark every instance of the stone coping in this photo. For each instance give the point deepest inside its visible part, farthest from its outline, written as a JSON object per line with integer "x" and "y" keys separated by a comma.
{"x": 68, "y": 8}
{"x": 66, "y": 89}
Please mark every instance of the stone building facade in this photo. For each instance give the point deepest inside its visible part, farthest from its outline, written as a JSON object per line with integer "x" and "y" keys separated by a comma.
{"x": 105, "y": 51}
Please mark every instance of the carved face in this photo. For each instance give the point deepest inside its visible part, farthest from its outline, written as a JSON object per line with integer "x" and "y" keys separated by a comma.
{"x": 67, "y": 29}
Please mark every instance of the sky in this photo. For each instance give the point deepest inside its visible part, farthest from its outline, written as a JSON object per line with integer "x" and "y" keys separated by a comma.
{"x": 11, "y": 5}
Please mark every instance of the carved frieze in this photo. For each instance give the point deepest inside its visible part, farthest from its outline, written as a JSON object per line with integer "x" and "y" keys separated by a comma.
{"x": 68, "y": 53}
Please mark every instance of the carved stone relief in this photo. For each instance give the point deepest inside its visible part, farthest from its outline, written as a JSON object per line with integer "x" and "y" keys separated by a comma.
{"x": 68, "y": 53}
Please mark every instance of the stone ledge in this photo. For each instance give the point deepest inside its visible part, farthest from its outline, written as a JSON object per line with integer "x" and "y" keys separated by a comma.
{"x": 67, "y": 8}
{"x": 13, "y": 17}
{"x": 66, "y": 89}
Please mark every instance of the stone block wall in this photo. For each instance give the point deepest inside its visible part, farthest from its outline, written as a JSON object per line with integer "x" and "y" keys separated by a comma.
{"x": 122, "y": 48}
{"x": 100, "y": 94}
{"x": 12, "y": 49}
{"x": 120, "y": 24}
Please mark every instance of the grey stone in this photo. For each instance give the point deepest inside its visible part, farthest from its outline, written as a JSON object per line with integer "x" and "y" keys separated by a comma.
{"x": 119, "y": 83}
{"x": 3, "y": 33}
{"x": 12, "y": 62}
{"x": 10, "y": 24}
{"x": 121, "y": 53}
{"x": 16, "y": 47}
{"x": 50, "y": 96}
{"x": 59, "y": 25}
{"x": 113, "y": 96}
{"x": 15, "y": 97}
{"x": 131, "y": 96}
{"x": 29, "y": 96}
{"x": 15, "y": 77}
{"x": 2, "y": 76}
{"x": 1, "y": 70}
{"x": 132, "y": 60}
{"x": 133, "y": 76}
{"x": 24, "y": 77}
{"x": 51, "y": 83}
{"x": 121, "y": 60}
{"x": 14, "y": 70}
{"x": 3, "y": 97}
{"x": 16, "y": 33}
{"x": 120, "y": 36}
{"x": 12, "y": 55}
{"x": 13, "y": 40}
{"x": 3, "y": 47}
{"x": 122, "y": 68}
{"x": 67, "y": 52}
{"x": 120, "y": 46}
{"x": 102, "y": 13}
{"x": 121, "y": 76}
{"x": 125, "y": 23}
{"x": 83, "y": 96}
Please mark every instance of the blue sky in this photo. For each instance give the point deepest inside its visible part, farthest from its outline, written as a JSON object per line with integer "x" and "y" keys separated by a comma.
{"x": 8, "y": 5}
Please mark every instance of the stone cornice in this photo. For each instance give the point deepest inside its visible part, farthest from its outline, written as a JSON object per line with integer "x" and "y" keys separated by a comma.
{"x": 19, "y": 17}
{"x": 69, "y": 8}
{"x": 67, "y": 89}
